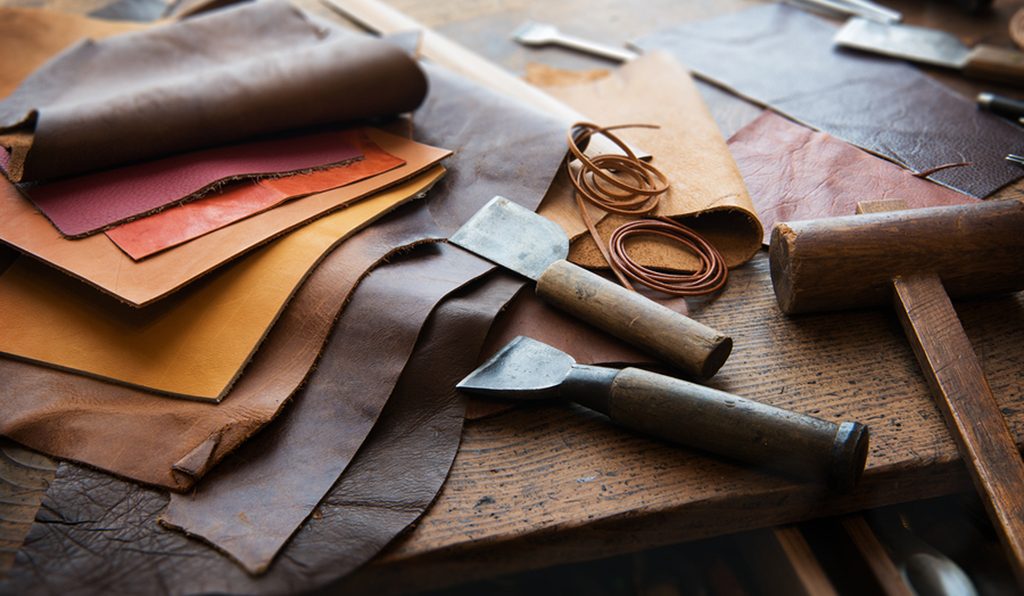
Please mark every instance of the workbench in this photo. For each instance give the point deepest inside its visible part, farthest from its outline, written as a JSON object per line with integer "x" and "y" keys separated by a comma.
{"x": 548, "y": 484}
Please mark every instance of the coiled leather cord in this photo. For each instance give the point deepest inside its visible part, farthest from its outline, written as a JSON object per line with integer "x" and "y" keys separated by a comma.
{"x": 626, "y": 185}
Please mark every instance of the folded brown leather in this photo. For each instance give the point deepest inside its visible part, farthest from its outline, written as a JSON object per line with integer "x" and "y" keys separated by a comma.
{"x": 214, "y": 79}
{"x": 707, "y": 191}
{"x": 491, "y": 133}
{"x": 782, "y": 57}
{"x": 796, "y": 173}
{"x": 136, "y": 434}
{"x": 392, "y": 480}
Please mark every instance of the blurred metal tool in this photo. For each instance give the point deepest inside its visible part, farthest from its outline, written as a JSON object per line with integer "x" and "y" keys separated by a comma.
{"x": 1017, "y": 159}
{"x": 540, "y": 34}
{"x": 857, "y": 8}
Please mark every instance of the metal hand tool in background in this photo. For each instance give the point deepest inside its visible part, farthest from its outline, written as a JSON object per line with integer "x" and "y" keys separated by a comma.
{"x": 916, "y": 259}
{"x": 679, "y": 411}
{"x": 542, "y": 34}
{"x": 934, "y": 47}
{"x": 534, "y": 246}
{"x": 857, "y": 8}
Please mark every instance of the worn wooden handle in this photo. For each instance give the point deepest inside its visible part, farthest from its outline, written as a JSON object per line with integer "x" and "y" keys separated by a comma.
{"x": 995, "y": 64}
{"x": 966, "y": 401}
{"x": 678, "y": 340}
{"x": 726, "y": 424}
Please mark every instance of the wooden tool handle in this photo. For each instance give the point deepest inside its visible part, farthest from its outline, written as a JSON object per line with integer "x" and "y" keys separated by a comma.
{"x": 722, "y": 423}
{"x": 966, "y": 401}
{"x": 692, "y": 347}
{"x": 995, "y": 64}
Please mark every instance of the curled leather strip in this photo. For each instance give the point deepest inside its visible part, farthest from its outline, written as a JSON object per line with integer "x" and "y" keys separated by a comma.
{"x": 626, "y": 185}
{"x": 710, "y": 277}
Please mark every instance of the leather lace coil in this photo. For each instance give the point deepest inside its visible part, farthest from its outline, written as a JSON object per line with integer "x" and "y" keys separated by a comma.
{"x": 626, "y": 185}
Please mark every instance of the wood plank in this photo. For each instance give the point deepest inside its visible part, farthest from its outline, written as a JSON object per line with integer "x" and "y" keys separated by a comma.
{"x": 968, "y": 405}
{"x": 544, "y": 483}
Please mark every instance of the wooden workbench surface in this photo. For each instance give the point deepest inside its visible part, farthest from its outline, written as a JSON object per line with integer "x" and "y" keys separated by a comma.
{"x": 546, "y": 484}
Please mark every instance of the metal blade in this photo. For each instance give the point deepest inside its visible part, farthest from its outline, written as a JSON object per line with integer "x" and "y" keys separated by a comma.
{"x": 904, "y": 41}
{"x": 514, "y": 237}
{"x": 525, "y": 368}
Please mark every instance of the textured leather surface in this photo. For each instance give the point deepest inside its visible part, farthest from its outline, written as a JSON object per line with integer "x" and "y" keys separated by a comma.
{"x": 249, "y": 518}
{"x": 99, "y": 262}
{"x": 254, "y": 69}
{"x": 173, "y": 443}
{"x": 783, "y": 57}
{"x": 192, "y": 345}
{"x": 391, "y": 481}
{"x": 796, "y": 173}
{"x": 492, "y": 133}
{"x": 706, "y": 193}
{"x": 142, "y": 436}
{"x": 86, "y": 204}
{"x": 177, "y": 225}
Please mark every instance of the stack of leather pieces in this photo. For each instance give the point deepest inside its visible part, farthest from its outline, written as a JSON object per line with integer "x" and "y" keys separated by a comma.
{"x": 240, "y": 313}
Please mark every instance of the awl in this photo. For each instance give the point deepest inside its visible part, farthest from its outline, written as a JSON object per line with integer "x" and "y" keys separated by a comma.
{"x": 531, "y": 245}
{"x": 681, "y": 412}
{"x": 930, "y": 46}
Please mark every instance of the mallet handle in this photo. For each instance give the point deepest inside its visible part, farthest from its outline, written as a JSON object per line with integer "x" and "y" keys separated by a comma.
{"x": 965, "y": 399}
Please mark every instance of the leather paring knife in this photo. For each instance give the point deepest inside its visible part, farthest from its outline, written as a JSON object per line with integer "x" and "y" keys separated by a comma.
{"x": 680, "y": 411}
{"x": 534, "y": 246}
{"x": 937, "y": 48}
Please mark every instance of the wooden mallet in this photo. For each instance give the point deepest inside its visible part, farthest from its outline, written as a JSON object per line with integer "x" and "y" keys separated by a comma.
{"x": 917, "y": 259}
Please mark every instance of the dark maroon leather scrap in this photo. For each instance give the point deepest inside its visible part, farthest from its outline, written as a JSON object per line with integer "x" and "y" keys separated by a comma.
{"x": 98, "y": 534}
{"x": 783, "y": 57}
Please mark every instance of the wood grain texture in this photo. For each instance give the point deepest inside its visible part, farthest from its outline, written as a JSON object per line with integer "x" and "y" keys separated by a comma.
{"x": 968, "y": 405}
{"x": 688, "y": 345}
{"x": 847, "y": 262}
{"x": 546, "y": 483}
{"x": 24, "y": 476}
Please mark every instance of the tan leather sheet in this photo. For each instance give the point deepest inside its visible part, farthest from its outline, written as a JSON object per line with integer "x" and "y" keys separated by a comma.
{"x": 193, "y": 345}
{"x": 31, "y": 36}
{"x": 215, "y": 79}
{"x": 707, "y": 191}
{"x": 97, "y": 261}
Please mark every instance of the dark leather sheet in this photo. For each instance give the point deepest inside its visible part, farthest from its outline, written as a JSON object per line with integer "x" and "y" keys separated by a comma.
{"x": 220, "y": 78}
{"x": 796, "y": 173}
{"x": 78, "y": 543}
{"x": 783, "y": 57}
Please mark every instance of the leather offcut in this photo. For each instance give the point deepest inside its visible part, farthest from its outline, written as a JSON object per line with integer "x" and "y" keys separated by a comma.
{"x": 97, "y": 261}
{"x": 782, "y": 57}
{"x": 90, "y": 203}
{"x": 147, "y": 236}
{"x": 193, "y": 345}
{"x": 251, "y": 69}
{"x": 796, "y": 173}
{"x": 706, "y": 192}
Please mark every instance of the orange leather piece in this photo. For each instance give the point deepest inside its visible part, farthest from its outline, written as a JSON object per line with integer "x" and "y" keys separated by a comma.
{"x": 147, "y": 236}
{"x": 707, "y": 192}
{"x": 192, "y": 345}
{"x": 97, "y": 261}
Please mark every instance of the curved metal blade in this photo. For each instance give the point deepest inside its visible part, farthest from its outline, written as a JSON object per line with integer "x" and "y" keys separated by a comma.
{"x": 523, "y": 369}
{"x": 514, "y": 237}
